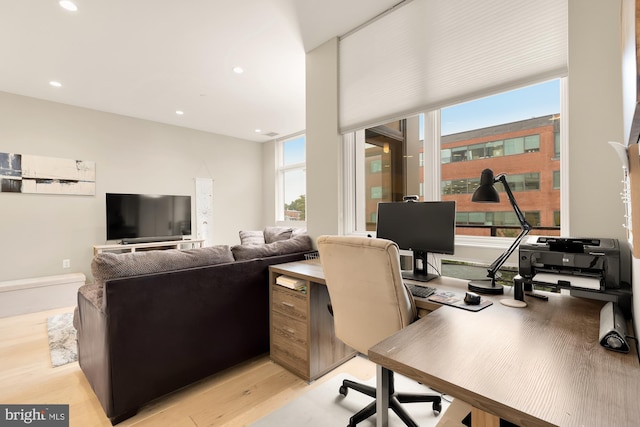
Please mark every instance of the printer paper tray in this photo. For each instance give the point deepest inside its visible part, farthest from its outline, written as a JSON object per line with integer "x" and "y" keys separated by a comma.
{"x": 573, "y": 281}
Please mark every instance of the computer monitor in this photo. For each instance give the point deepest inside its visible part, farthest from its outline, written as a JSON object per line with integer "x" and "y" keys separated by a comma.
{"x": 421, "y": 227}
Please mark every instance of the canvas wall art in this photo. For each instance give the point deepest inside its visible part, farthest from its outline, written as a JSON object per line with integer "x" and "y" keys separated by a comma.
{"x": 25, "y": 173}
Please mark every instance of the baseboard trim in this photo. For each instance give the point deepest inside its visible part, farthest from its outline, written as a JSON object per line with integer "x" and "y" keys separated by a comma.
{"x": 39, "y": 293}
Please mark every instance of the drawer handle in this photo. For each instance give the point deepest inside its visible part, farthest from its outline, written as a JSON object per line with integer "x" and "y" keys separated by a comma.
{"x": 288, "y": 304}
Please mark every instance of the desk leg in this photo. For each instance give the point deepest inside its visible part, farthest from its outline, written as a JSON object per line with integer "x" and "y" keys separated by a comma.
{"x": 383, "y": 376}
{"x": 480, "y": 418}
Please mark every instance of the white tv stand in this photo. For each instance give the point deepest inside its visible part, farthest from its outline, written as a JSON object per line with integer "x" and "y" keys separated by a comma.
{"x": 133, "y": 247}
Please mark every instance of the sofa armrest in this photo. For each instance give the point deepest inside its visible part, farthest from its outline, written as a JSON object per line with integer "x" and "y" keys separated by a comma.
{"x": 93, "y": 294}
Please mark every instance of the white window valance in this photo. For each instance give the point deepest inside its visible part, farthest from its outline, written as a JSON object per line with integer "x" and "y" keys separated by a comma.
{"x": 429, "y": 54}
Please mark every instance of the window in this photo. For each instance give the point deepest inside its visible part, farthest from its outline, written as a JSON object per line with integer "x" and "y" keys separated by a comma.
{"x": 375, "y": 166}
{"x": 459, "y": 154}
{"x": 527, "y": 144}
{"x": 495, "y": 149}
{"x": 519, "y": 132}
{"x": 292, "y": 179}
{"x": 497, "y": 219}
{"x": 393, "y": 160}
{"x": 520, "y": 182}
{"x": 476, "y": 152}
{"x": 376, "y": 192}
{"x": 510, "y": 133}
{"x": 513, "y": 146}
{"x": 556, "y": 153}
{"x": 531, "y": 143}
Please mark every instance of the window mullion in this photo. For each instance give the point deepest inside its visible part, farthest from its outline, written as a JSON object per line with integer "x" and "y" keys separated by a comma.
{"x": 301, "y": 165}
{"x": 360, "y": 198}
{"x": 564, "y": 159}
{"x": 432, "y": 155}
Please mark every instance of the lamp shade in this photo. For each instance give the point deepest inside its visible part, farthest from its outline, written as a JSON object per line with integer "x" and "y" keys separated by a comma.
{"x": 486, "y": 192}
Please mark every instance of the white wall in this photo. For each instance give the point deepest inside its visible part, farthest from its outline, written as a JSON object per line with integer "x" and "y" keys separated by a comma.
{"x": 269, "y": 176}
{"x": 597, "y": 112}
{"x": 131, "y": 155}
{"x": 324, "y": 160}
{"x": 630, "y": 99}
{"x": 595, "y": 117}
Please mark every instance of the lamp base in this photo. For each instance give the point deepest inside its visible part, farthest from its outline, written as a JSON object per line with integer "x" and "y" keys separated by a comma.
{"x": 486, "y": 287}
{"x": 513, "y": 303}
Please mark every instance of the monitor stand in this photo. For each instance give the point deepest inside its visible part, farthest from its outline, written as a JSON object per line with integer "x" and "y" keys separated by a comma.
{"x": 420, "y": 268}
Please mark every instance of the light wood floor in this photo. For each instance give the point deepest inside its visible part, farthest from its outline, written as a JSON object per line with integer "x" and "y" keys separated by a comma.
{"x": 236, "y": 397}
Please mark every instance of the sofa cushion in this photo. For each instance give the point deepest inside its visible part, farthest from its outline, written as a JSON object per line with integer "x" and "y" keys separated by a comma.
{"x": 107, "y": 265}
{"x": 275, "y": 234}
{"x": 299, "y": 243}
{"x": 252, "y": 237}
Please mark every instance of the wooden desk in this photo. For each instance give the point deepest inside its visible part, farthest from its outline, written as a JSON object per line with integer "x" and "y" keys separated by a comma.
{"x": 537, "y": 366}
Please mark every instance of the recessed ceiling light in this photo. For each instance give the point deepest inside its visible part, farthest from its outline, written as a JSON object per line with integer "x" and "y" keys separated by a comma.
{"x": 55, "y": 83}
{"x": 258, "y": 130}
{"x": 68, "y": 5}
{"x": 238, "y": 70}
{"x": 179, "y": 112}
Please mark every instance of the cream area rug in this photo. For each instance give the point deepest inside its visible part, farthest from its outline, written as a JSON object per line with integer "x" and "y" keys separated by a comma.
{"x": 323, "y": 406}
{"x": 63, "y": 347}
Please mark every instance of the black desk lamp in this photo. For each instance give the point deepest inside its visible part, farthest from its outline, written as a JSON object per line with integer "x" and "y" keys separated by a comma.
{"x": 486, "y": 193}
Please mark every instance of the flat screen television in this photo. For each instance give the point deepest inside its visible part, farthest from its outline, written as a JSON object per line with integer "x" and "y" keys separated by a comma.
{"x": 420, "y": 227}
{"x": 135, "y": 218}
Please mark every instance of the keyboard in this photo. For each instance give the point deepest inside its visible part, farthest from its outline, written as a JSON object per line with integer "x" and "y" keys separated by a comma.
{"x": 420, "y": 290}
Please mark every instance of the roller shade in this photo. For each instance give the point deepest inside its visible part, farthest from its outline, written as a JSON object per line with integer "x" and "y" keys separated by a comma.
{"x": 429, "y": 54}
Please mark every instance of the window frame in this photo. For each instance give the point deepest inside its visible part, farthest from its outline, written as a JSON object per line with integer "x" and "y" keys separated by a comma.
{"x": 281, "y": 170}
{"x": 353, "y": 171}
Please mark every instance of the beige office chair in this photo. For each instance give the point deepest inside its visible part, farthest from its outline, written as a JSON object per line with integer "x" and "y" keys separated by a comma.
{"x": 369, "y": 302}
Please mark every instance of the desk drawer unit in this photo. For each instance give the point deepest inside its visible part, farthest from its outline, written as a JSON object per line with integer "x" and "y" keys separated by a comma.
{"x": 289, "y": 329}
{"x": 289, "y": 302}
{"x": 289, "y": 343}
{"x": 302, "y": 334}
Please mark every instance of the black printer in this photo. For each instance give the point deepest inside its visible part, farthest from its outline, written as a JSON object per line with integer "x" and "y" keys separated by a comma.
{"x": 597, "y": 268}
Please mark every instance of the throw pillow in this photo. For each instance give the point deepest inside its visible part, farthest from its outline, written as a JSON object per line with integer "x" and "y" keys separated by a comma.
{"x": 252, "y": 237}
{"x": 300, "y": 243}
{"x": 275, "y": 234}
{"x": 298, "y": 231}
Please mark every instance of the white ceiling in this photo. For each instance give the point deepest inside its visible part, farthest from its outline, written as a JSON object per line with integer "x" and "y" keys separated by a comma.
{"x": 149, "y": 58}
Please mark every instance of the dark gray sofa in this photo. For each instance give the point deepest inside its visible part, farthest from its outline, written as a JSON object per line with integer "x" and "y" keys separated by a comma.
{"x": 143, "y": 336}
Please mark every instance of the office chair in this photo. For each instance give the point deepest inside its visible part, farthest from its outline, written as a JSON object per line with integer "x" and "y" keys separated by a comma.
{"x": 369, "y": 302}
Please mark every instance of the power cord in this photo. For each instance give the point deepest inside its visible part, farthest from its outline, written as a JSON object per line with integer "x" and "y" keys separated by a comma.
{"x": 429, "y": 264}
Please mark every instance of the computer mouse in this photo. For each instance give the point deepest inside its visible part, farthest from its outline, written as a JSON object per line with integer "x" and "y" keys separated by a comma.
{"x": 471, "y": 298}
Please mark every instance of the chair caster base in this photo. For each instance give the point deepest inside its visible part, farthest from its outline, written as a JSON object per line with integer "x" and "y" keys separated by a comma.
{"x": 437, "y": 408}
{"x": 343, "y": 390}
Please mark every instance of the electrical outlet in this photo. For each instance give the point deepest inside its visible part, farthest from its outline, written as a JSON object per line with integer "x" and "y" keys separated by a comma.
{"x": 66, "y": 263}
